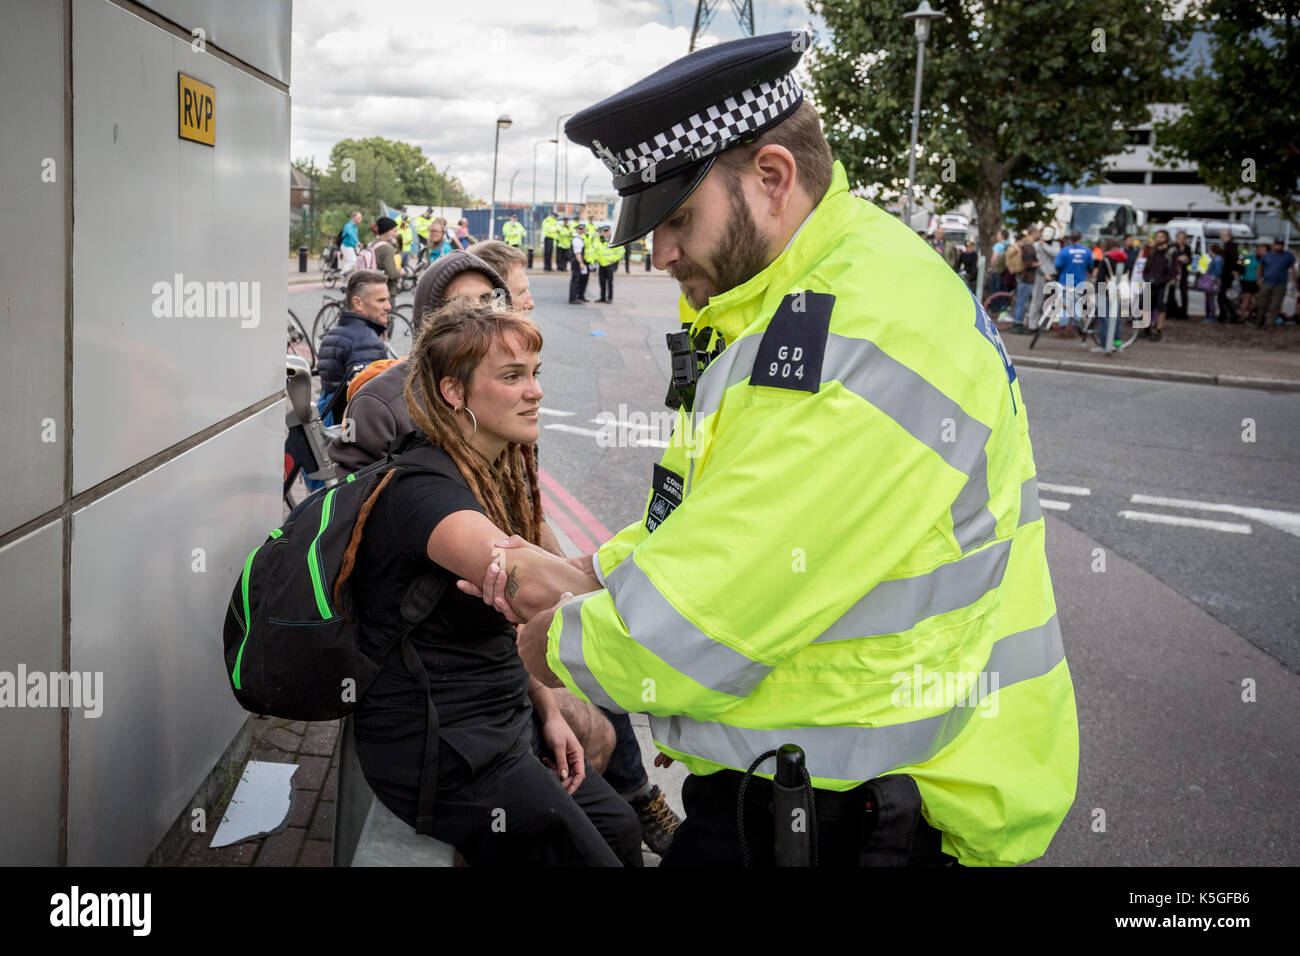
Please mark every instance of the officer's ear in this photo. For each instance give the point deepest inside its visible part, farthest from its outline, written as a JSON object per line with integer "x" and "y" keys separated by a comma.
{"x": 777, "y": 175}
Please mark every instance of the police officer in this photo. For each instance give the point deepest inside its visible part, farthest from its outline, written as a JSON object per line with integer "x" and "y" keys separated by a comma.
{"x": 548, "y": 240}
{"x": 564, "y": 240}
{"x": 513, "y": 232}
{"x": 608, "y": 265}
{"x": 842, "y": 547}
{"x": 422, "y": 230}
{"x": 579, "y": 266}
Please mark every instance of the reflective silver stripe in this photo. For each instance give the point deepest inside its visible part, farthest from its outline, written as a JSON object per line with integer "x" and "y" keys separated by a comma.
{"x": 897, "y": 606}
{"x": 658, "y": 627}
{"x": 730, "y": 368}
{"x": 1030, "y": 509}
{"x": 928, "y": 415}
{"x": 572, "y": 658}
{"x": 862, "y": 753}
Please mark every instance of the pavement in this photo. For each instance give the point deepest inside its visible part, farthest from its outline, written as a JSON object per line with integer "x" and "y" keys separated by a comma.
{"x": 1191, "y": 351}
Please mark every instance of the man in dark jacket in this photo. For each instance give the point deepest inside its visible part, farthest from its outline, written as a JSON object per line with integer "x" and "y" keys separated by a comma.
{"x": 356, "y": 338}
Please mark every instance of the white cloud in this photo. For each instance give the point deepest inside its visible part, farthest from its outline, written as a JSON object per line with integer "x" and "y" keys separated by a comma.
{"x": 437, "y": 74}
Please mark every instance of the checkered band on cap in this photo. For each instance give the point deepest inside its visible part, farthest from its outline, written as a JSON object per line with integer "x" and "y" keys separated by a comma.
{"x": 702, "y": 133}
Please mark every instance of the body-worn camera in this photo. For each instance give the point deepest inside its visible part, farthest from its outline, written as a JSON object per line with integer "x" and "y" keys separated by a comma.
{"x": 689, "y": 360}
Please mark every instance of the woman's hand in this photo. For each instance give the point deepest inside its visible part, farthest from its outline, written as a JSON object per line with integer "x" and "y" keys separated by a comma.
{"x": 567, "y": 752}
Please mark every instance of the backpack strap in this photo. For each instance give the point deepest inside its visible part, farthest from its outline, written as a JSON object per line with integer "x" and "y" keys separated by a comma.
{"x": 419, "y": 602}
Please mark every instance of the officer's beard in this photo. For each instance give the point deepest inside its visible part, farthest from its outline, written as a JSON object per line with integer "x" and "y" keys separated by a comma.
{"x": 742, "y": 253}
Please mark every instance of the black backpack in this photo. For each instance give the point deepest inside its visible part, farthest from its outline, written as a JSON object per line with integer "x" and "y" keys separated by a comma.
{"x": 291, "y": 645}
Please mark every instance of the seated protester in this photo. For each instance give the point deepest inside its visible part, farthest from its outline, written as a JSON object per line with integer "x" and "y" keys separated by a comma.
{"x": 473, "y": 391}
{"x": 377, "y": 412}
{"x": 357, "y": 336}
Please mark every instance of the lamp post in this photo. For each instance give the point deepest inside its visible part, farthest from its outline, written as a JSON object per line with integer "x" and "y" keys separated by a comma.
{"x": 503, "y": 122}
{"x": 532, "y": 240}
{"x": 555, "y": 187}
{"x": 511, "y": 200}
{"x": 922, "y": 16}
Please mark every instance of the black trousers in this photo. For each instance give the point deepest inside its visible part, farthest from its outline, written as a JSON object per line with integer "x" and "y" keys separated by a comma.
{"x": 1227, "y": 308}
{"x": 514, "y": 811}
{"x": 577, "y": 281}
{"x": 548, "y": 249}
{"x": 562, "y": 257}
{"x": 607, "y": 282}
{"x": 892, "y": 834}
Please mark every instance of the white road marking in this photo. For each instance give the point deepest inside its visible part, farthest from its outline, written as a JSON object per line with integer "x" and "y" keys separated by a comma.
{"x": 1230, "y": 527}
{"x": 554, "y": 411}
{"x": 1051, "y": 505}
{"x": 1288, "y": 521}
{"x": 618, "y": 424}
{"x": 589, "y": 432}
{"x": 1064, "y": 489}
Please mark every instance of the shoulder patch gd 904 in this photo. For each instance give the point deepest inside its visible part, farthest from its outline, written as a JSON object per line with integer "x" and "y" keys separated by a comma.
{"x": 794, "y": 344}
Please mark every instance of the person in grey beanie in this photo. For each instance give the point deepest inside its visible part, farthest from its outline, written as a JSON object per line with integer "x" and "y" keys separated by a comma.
{"x": 377, "y": 413}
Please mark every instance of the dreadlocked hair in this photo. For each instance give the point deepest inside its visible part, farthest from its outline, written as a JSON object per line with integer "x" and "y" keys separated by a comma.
{"x": 452, "y": 343}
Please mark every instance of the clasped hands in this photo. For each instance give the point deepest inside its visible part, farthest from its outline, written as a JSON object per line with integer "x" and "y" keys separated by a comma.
{"x": 527, "y": 584}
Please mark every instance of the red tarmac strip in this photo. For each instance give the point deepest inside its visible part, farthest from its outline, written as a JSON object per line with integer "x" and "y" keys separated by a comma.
{"x": 594, "y": 527}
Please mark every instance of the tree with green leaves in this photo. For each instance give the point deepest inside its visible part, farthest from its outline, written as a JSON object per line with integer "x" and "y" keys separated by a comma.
{"x": 1018, "y": 95}
{"x": 1241, "y": 126}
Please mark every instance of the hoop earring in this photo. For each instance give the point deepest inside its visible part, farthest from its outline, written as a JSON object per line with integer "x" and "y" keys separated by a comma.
{"x": 471, "y": 418}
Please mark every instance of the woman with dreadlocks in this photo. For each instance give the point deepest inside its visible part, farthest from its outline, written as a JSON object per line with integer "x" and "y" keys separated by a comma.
{"x": 512, "y": 787}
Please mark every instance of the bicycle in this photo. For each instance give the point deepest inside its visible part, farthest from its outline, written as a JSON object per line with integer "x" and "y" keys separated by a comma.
{"x": 1091, "y": 325}
{"x": 298, "y": 339}
{"x": 325, "y": 318}
{"x": 1000, "y": 306}
{"x": 331, "y": 273}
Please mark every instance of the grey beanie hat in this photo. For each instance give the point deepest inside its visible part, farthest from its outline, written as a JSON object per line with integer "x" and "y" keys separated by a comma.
{"x": 436, "y": 278}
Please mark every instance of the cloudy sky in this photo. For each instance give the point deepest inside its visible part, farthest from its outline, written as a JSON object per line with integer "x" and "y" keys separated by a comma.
{"x": 437, "y": 74}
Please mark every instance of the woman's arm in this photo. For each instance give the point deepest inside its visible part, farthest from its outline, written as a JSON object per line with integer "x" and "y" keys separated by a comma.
{"x": 464, "y": 543}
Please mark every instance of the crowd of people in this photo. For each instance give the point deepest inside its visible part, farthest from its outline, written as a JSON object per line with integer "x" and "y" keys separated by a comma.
{"x": 1241, "y": 285}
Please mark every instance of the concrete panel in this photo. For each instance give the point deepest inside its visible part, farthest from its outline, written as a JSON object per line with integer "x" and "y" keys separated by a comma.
{"x": 255, "y": 31}
{"x": 32, "y": 284}
{"x": 31, "y": 592}
{"x": 144, "y": 616}
{"x": 150, "y": 207}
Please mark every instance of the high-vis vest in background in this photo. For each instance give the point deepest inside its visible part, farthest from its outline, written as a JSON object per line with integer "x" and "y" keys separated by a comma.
{"x": 842, "y": 548}
{"x": 548, "y": 227}
{"x": 513, "y": 233}
{"x": 564, "y": 235}
{"x": 422, "y": 227}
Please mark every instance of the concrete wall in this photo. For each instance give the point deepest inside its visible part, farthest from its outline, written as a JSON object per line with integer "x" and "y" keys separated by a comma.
{"x": 143, "y": 447}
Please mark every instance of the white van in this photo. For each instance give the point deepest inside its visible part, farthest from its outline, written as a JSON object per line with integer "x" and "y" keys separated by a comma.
{"x": 1203, "y": 233}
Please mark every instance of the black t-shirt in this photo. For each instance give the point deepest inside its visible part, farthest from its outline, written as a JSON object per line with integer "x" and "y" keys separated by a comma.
{"x": 477, "y": 679}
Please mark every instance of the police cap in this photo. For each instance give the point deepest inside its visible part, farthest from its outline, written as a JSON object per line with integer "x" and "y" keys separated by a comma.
{"x": 659, "y": 137}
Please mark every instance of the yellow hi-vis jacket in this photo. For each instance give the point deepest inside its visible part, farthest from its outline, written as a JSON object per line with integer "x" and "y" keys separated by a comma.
{"x": 422, "y": 226}
{"x": 548, "y": 227}
{"x": 513, "y": 233}
{"x": 847, "y": 548}
{"x": 564, "y": 236}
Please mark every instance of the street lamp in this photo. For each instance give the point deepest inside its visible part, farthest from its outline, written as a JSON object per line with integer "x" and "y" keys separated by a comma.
{"x": 922, "y": 15}
{"x": 555, "y": 187}
{"x": 582, "y": 191}
{"x": 511, "y": 200}
{"x": 503, "y": 122}
{"x": 532, "y": 240}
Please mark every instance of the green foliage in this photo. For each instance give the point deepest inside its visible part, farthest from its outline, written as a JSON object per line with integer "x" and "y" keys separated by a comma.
{"x": 367, "y": 171}
{"x": 1018, "y": 94}
{"x": 1243, "y": 108}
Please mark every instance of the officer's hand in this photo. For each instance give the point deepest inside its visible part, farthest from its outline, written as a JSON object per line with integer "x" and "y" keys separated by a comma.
{"x": 492, "y": 590}
{"x": 532, "y": 644}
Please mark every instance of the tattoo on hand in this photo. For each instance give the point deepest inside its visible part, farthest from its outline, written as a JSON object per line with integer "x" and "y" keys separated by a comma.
{"x": 512, "y": 584}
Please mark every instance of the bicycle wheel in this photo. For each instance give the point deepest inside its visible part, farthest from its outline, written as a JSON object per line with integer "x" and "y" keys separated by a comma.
{"x": 400, "y": 336}
{"x": 299, "y": 342}
{"x": 329, "y": 314}
{"x": 332, "y": 278}
{"x": 999, "y": 306}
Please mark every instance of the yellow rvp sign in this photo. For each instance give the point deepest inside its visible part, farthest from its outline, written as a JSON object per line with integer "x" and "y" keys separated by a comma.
{"x": 196, "y": 110}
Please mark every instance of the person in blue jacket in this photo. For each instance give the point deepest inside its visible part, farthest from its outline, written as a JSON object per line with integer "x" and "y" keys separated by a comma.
{"x": 1072, "y": 265}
